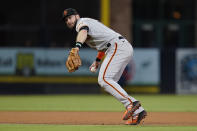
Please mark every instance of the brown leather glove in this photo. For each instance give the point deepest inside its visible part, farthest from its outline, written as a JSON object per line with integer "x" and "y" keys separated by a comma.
{"x": 73, "y": 62}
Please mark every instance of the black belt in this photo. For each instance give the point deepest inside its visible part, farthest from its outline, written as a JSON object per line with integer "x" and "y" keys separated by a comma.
{"x": 119, "y": 37}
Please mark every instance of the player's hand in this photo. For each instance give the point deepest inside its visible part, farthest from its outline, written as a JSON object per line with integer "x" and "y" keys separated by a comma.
{"x": 93, "y": 68}
{"x": 73, "y": 61}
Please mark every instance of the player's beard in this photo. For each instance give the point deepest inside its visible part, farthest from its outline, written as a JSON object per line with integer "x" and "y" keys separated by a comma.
{"x": 73, "y": 24}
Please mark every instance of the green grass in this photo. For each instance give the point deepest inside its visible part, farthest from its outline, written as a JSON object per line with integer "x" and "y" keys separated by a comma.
{"x": 176, "y": 103}
{"x": 29, "y": 127}
{"x": 169, "y": 103}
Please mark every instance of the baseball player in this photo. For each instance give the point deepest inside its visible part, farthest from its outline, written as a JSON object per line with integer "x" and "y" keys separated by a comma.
{"x": 118, "y": 52}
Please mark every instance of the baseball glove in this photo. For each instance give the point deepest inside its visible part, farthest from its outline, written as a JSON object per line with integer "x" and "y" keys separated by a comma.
{"x": 73, "y": 62}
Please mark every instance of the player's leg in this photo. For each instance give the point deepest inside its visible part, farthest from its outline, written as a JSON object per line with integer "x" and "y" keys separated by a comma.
{"x": 116, "y": 59}
{"x": 117, "y": 77}
{"x": 110, "y": 71}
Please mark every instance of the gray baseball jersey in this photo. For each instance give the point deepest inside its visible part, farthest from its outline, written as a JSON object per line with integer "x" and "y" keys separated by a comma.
{"x": 98, "y": 35}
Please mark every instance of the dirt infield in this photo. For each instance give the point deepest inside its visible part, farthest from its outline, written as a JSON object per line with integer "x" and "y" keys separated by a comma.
{"x": 96, "y": 118}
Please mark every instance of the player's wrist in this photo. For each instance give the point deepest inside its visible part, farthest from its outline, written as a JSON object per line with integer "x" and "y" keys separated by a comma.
{"x": 78, "y": 44}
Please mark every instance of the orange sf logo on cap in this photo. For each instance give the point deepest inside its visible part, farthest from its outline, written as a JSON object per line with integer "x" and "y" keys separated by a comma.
{"x": 65, "y": 13}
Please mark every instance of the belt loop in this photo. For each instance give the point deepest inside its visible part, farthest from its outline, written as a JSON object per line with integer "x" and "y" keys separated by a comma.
{"x": 108, "y": 44}
{"x": 120, "y": 37}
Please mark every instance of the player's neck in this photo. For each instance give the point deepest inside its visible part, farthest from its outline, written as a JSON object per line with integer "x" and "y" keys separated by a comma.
{"x": 77, "y": 19}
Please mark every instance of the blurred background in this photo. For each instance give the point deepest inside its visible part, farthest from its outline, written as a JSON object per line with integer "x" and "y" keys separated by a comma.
{"x": 34, "y": 45}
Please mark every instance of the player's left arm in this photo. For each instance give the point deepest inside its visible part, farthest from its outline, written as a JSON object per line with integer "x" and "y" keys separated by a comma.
{"x": 81, "y": 37}
{"x": 93, "y": 68}
{"x": 74, "y": 62}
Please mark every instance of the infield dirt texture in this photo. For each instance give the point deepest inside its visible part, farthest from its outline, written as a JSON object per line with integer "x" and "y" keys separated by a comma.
{"x": 96, "y": 118}
{"x": 95, "y": 110}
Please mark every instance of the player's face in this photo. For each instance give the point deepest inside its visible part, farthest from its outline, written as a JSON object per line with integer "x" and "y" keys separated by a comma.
{"x": 70, "y": 21}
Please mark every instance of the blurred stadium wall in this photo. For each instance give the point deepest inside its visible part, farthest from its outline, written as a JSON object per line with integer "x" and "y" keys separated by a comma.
{"x": 35, "y": 44}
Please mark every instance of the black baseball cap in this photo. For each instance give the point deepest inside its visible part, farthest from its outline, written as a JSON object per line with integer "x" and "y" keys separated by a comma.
{"x": 68, "y": 12}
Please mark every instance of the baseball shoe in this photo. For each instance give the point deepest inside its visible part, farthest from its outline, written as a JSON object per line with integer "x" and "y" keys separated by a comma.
{"x": 131, "y": 109}
{"x": 137, "y": 119}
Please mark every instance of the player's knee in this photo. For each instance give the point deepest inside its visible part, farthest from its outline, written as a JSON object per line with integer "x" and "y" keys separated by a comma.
{"x": 101, "y": 82}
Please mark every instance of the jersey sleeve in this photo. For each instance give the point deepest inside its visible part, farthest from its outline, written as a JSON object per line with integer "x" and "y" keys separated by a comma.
{"x": 81, "y": 24}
